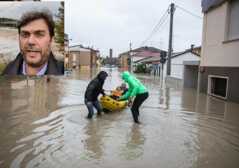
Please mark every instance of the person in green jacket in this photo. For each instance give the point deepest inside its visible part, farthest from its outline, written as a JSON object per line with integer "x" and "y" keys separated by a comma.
{"x": 136, "y": 89}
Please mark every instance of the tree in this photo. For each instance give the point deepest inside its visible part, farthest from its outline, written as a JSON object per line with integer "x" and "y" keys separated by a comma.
{"x": 59, "y": 27}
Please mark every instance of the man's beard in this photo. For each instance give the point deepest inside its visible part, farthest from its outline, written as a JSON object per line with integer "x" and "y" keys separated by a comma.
{"x": 43, "y": 56}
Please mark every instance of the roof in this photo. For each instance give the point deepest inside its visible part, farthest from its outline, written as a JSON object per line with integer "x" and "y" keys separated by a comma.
{"x": 144, "y": 48}
{"x": 147, "y": 48}
{"x": 157, "y": 59}
{"x": 210, "y": 4}
{"x": 146, "y": 54}
{"x": 148, "y": 60}
{"x": 187, "y": 51}
{"x": 184, "y": 52}
{"x": 81, "y": 48}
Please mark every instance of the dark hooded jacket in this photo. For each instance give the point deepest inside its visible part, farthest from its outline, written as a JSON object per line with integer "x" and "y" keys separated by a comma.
{"x": 95, "y": 87}
{"x": 54, "y": 67}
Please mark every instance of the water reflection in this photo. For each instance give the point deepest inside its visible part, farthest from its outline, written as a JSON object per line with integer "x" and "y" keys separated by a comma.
{"x": 23, "y": 101}
{"x": 99, "y": 131}
{"x": 94, "y": 143}
{"x": 84, "y": 73}
{"x": 134, "y": 144}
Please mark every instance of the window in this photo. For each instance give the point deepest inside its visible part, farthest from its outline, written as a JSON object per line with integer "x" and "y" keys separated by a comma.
{"x": 218, "y": 86}
{"x": 233, "y": 18}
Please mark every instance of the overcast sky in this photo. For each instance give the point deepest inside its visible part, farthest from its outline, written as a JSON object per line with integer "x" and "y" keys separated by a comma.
{"x": 16, "y": 9}
{"x": 106, "y": 24}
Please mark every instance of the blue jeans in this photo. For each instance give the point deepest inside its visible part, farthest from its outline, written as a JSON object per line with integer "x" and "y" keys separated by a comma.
{"x": 90, "y": 106}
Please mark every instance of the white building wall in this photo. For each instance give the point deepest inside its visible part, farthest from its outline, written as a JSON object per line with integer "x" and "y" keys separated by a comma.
{"x": 177, "y": 67}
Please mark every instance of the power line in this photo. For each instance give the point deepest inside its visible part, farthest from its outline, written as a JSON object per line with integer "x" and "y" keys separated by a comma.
{"x": 155, "y": 29}
{"x": 163, "y": 26}
{"x": 157, "y": 26}
{"x": 161, "y": 23}
{"x": 187, "y": 11}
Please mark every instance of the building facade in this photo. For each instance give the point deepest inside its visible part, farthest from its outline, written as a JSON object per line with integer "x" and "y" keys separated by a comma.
{"x": 82, "y": 57}
{"x": 135, "y": 56}
{"x": 184, "y": 68}
{"x": 219, "y": 67}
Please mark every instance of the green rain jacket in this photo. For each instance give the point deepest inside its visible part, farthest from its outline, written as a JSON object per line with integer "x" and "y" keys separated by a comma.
{"x": 135, "y": 86}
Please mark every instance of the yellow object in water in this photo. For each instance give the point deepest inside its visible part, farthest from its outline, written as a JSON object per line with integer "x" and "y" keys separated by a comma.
{"x": 111, "y": 104}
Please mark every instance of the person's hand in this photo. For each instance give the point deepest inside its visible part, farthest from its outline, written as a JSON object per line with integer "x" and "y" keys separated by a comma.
{"x": 103, "y": 92}
{"x": 130, "y": 102}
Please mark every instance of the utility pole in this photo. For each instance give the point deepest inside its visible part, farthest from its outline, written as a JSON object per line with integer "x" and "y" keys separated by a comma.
{"x": 130, "y": 57}
{"x": 172, "y": 9}
{"x": 161, "y": 76}
{"x": 163, "y": 55}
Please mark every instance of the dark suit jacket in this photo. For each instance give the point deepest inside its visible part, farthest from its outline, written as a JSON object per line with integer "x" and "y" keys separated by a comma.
{"x": 54, "y": 67}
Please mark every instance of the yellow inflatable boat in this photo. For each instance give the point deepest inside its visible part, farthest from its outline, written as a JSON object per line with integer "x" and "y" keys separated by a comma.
{"x": 111, "y": 104}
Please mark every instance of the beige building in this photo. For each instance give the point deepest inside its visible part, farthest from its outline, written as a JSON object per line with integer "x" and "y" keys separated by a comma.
{"x": 219, "y": 65}
{"x": 124, "y": 60}
{"x": 82, "y": 57}
{"x": 136, "y": 55}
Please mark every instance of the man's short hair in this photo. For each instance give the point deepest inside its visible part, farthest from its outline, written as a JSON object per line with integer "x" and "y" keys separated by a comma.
{"x": 34, "y": 15}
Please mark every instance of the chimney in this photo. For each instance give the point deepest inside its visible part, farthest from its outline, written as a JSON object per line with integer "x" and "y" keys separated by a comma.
{"x": 111, "y": 52}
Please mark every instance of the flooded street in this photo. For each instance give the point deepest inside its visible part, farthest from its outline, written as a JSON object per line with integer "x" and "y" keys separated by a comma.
{"x": 43, "y": 124}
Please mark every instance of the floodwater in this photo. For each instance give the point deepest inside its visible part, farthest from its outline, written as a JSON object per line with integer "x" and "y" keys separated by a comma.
{"x": 43, "y": 124}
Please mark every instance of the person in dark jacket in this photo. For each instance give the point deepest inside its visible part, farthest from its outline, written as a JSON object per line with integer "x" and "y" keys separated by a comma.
{"x": 36, "y": 35}
{"x": 94, "y": 88}
{"x": 53, "y": 67}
